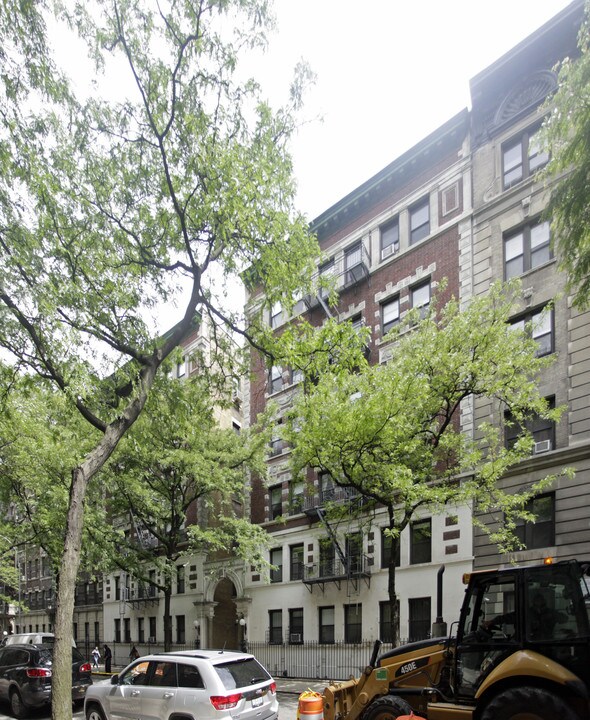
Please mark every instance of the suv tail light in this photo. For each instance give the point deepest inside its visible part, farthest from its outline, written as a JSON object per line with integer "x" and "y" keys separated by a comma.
{"x": 273, "y": 688}
{"x": 85, "y": 668}
{"x": 225, "y": 702}
{"x": 38, "y": 672}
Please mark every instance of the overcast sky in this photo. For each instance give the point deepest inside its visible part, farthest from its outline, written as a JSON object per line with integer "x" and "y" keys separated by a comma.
{"x": 388, "y": 73}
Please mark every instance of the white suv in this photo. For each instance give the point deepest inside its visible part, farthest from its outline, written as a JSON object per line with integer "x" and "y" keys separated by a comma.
{"x": 203, "y": 684}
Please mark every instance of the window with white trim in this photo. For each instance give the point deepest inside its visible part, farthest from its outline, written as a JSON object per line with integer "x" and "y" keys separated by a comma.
{"x": 389, "y": 238}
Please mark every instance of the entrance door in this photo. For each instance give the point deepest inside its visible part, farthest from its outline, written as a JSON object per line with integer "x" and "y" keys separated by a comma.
{"x": 224, "y": 631}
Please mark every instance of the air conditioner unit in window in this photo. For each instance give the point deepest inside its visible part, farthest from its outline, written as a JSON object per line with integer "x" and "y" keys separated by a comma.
{"x": 295, "y": 637}
{"x": 542, "y": 446}
{"x": 151, "y": 639}
{"x": 387, "y": 251}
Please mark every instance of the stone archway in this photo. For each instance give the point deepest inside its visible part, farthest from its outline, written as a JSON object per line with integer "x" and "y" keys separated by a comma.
{"x": 224, "y": 631}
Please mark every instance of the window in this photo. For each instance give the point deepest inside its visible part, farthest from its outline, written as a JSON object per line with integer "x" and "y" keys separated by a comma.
{"x": 275, "y": 627}
{"x": 526, "y": 249}
{"x": 276, "y": 441}
{"x": 327, "y": 488}
{"x": 326, "y": 273}
{"x": 140, "y": 630}
{"x": 296, "y": 376}
{"x": 353, "y": 623}
{"x": 152, "y": 634}
{"x": 386, "y": 545}
{"x": 295, "y": 497}
{"x": 386, "y": 625}
{"x": 276, "y": 501}
{"x": 126, "y": 630}
{"x": 420, "y": 297}
{"x": 541, "y": 532}
{"x": 276, "y": 315}
{"x": 421, "y": 541}
{"x": 117, "y": 587}
{"x": 327, "y": 558}
{"x": 117, "y": 630}
{"x": 276, "y": 559}
{"x": 296, "y": 562}
{"x": 419, "y": 618}
{"x": 163, "y": 674}
{"x": 189, "y": 677}
{"x": 389, "y": 238}
{"x": 389, "y": 315}
{"x": 180, "y": 579}
{"x": 180, "y": 632}
{"x": 275, "y": 379}
{"x": 353, "y": 548}
{"x": 522, "y": 157}
{"x": 420, "y": 220}
{"x": 152, "y": 589}
{"x": 326, "y": 624}
{"x": 539, "y": 324}
{"x": 296, "y": 626}
{"x": 181, "y": 368}
{"x": 542, "y": 430}
{"x": 353, "y": 265}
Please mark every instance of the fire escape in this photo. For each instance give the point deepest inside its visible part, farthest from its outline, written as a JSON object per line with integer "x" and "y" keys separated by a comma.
{"x": 347, "y": 564}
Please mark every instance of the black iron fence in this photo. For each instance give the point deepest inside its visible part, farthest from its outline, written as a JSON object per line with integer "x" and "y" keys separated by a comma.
{"x": 314, "y": 660}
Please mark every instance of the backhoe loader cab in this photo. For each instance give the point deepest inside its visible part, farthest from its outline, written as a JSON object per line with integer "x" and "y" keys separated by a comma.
{"x": 522, "y": 651}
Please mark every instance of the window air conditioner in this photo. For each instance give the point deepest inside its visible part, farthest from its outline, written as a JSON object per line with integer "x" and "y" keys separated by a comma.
{"x": 151, "y": 639}
{"x": 295, "y": 637}
{"x": 387, "y": 251}
{"x": 542, "y": 446}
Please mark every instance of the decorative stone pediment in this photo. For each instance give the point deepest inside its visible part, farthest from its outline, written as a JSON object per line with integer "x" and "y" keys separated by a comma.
{"x": 526, "y": 95}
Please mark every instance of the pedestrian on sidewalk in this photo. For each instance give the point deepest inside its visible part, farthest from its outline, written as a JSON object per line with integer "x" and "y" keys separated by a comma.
{"x": 95, "y": 656}
{"x": 108, "y": 656}
{"x": 134, "y": 654}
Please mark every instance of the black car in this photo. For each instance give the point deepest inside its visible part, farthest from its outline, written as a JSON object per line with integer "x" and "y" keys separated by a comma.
{"x": 25, "y": 676}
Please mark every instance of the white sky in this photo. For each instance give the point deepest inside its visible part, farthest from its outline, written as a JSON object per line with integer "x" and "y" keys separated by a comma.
{"x": 389, "y": 73}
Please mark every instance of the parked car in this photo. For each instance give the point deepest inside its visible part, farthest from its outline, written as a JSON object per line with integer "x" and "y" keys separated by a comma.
{"x": 203, "y": 684}
{"x": 30, "y": 639}
{"x": 25, "y": 676}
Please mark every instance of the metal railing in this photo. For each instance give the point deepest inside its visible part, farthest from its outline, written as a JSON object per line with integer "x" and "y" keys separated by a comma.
{"x": 314, "y": 660}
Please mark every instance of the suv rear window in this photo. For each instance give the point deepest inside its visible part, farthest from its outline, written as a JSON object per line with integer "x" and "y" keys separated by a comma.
{"x": 241, "y": 673}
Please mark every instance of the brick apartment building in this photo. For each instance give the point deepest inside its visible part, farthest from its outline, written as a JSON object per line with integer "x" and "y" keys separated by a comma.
{"x": 464, "y": 204}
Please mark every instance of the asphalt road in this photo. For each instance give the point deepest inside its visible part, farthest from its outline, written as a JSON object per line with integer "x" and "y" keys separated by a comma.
{"x": 288, "y": 710}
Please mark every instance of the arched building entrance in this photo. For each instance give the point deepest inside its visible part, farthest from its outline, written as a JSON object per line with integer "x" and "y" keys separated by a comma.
{"x": 224, "y": 631}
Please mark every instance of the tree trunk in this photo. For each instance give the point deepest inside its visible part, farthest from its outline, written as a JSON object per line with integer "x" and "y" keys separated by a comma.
{"x": 167, "y": 619}
{"x": 61, "y": 682}
{"x": 392, "y": 592}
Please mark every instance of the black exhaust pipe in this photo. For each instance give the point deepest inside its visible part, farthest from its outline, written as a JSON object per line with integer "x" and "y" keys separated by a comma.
{"x": 439, "y": 627}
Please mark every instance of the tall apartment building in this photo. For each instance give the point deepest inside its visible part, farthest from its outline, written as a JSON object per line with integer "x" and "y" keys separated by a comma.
{"x": 463, "y": 204}
{"x": 388, "y": 245}
{"x": 512, "y": 238}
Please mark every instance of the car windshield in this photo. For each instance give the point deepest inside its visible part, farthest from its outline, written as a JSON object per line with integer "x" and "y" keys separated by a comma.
{"x": 241, "y": 673}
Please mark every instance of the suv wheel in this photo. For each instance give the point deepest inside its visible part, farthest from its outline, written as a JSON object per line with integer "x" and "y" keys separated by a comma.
{"x": 17, "y": 706}
{"x": 94, "y": 712}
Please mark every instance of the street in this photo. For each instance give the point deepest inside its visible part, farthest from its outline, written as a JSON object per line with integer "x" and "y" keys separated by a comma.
{"x": 288, "y": 710}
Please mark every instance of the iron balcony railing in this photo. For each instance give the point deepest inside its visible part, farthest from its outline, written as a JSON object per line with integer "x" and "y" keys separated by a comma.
{"x": 347, "y": 271}
{"x": 335, "y": 569}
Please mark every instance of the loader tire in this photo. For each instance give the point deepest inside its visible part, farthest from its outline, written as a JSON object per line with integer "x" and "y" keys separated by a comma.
{"x": 387, "y": 707}
{"x": 528, "y": 703}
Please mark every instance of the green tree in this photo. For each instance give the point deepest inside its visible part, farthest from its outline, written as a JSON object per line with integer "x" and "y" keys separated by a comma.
{"x": 392, "y": 432}
{"x": 176, "y": 460}
{"x": 567, "y": 134}
{"x": 107, "y": 207}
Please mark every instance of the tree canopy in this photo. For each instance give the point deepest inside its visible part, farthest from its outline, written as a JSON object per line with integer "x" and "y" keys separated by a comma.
{"x": 392, "y": 432}
{"x": 109, "y": 204}
{"x": 567, "y": 132}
